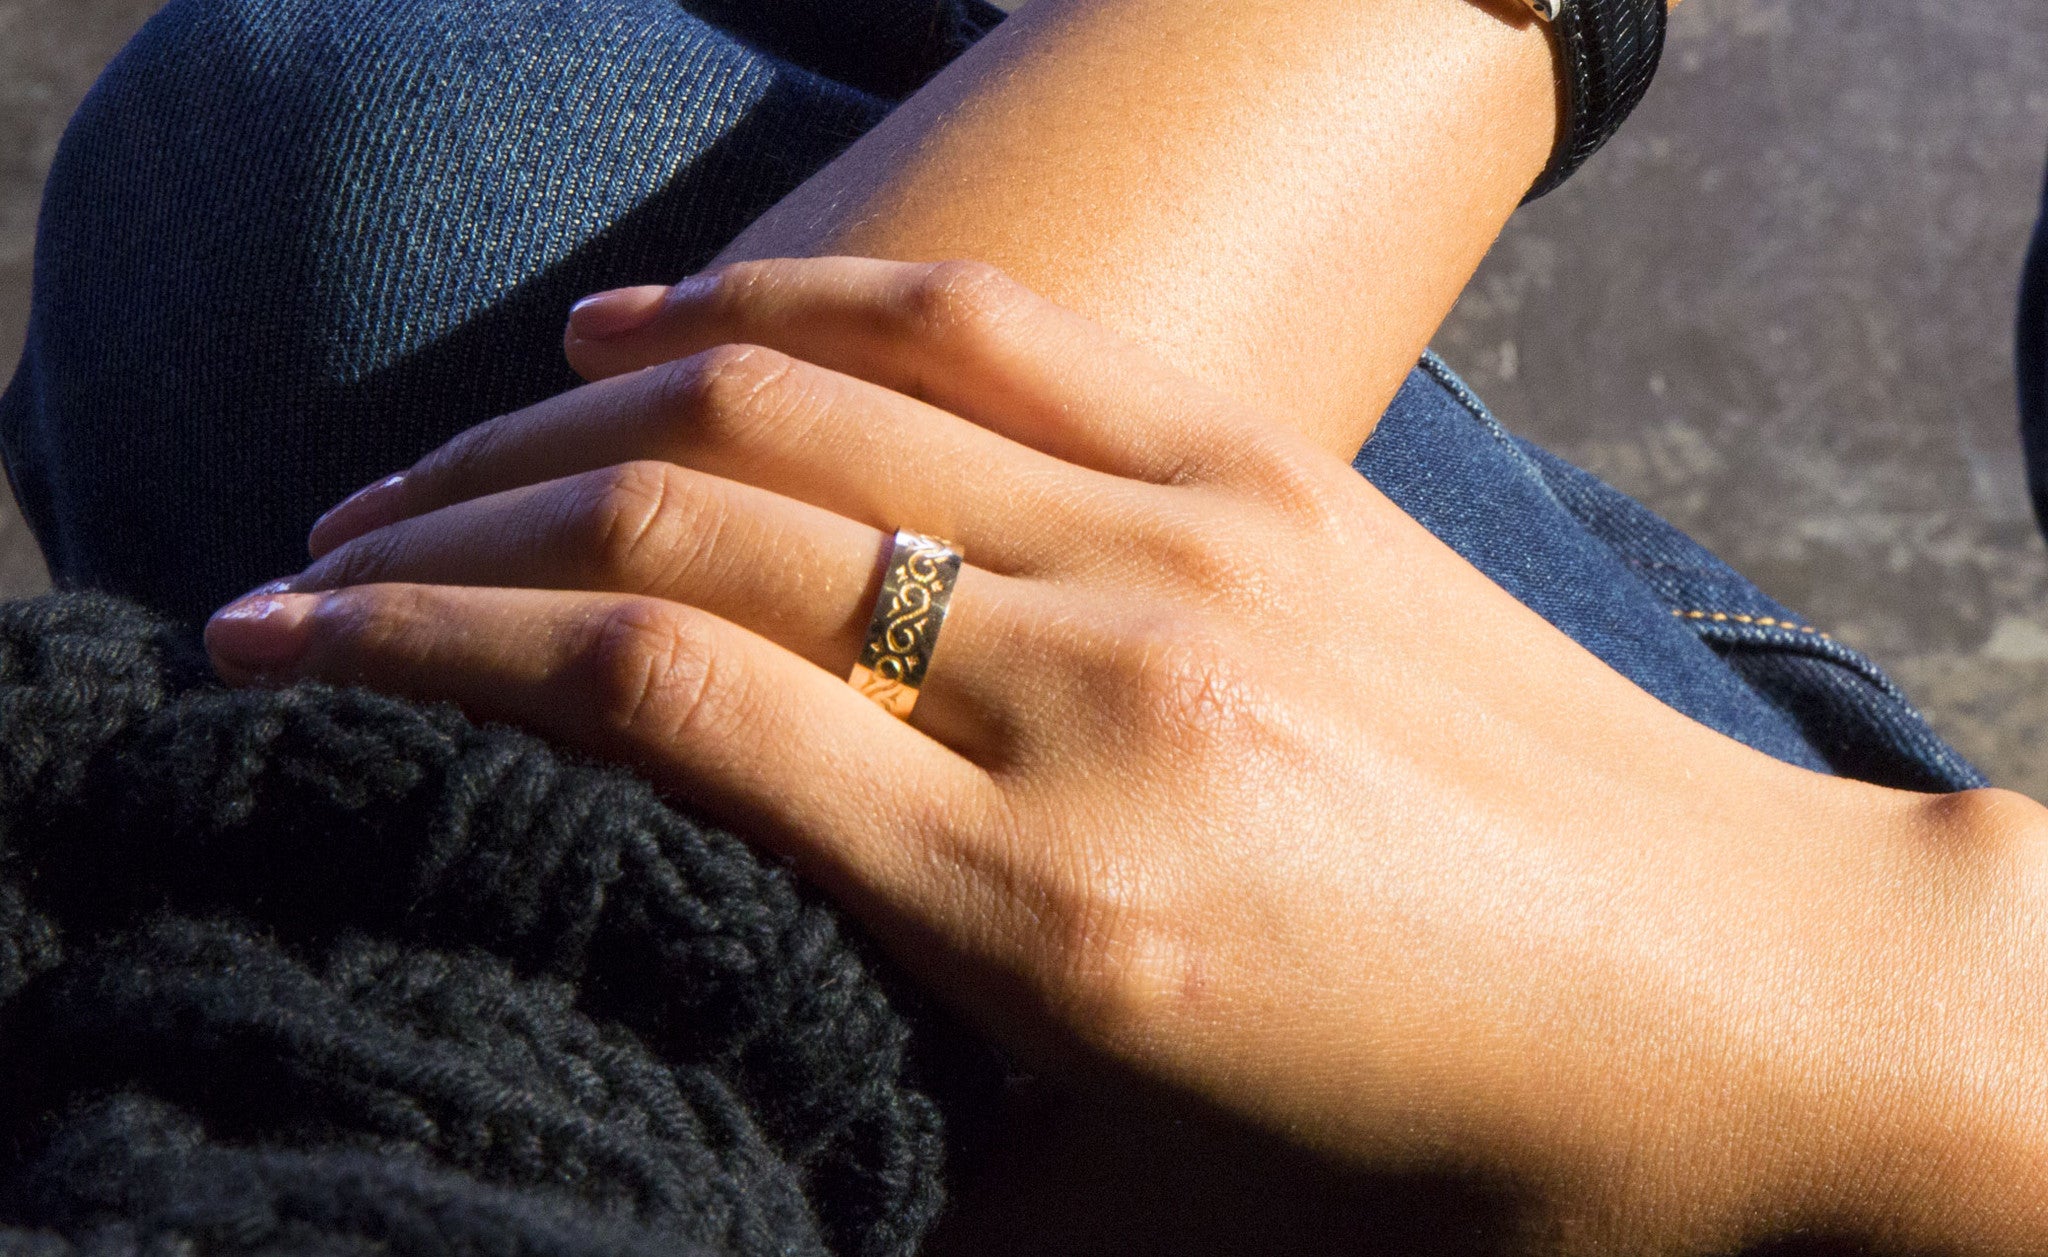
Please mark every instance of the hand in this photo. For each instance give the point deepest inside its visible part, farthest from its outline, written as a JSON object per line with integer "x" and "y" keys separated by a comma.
{"x": 1227, "y": 776}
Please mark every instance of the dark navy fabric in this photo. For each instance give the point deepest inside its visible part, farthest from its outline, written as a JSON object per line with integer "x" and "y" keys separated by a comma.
{"x": 2031, "y": 357}
{"x": 290, "y": 245}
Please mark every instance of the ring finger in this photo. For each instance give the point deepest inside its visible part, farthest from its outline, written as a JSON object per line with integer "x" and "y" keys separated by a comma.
{"x": 800, "y": 576}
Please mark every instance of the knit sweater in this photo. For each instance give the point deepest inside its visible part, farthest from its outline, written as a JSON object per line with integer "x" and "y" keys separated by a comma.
{"x": 320, "y": 971}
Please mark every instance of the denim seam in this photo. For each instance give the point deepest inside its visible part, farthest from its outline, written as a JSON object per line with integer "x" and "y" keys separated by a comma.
{"x": 1722, "y": 627}
{"x": 1697, "y": 570}
{"x": 1440, "y": 371}
{"x": 1766, "y": 621}
{"x": 1798, "y": 639}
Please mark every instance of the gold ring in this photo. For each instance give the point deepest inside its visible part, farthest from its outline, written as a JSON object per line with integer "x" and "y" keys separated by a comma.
{"x": 905, "y": 627}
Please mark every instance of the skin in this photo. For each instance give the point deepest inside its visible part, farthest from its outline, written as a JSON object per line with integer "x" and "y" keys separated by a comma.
{"x": 1203, "y": 809}
{"x": 1282, "y": 198}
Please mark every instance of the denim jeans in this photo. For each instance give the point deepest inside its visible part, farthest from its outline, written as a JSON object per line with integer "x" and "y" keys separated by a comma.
{"x": 290, "y": 245}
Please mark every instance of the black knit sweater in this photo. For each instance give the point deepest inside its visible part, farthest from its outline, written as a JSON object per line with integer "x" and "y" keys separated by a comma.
{"x": 318, "y": 971}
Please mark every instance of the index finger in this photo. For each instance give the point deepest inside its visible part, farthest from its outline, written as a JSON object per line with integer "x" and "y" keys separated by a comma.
{"x": 959, "y": 335}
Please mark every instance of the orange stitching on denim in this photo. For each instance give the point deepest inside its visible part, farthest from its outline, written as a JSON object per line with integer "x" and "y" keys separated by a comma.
{"x": 1763, "y": 621}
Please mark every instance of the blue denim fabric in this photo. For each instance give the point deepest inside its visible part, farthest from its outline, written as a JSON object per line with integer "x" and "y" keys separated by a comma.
{"x": 290, "y": 245}
{"x": 1652, "y": 603}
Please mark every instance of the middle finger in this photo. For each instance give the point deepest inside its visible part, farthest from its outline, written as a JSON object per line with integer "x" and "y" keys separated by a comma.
{"x": 757, "y": 416}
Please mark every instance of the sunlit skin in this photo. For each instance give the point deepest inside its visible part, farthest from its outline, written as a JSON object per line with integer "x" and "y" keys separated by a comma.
{"x": 1230, "y": 784}
{"x": 1282, "y": 198}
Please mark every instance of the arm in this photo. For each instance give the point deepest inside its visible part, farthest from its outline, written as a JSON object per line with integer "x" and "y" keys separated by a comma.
{"x": 1281, "y": 197}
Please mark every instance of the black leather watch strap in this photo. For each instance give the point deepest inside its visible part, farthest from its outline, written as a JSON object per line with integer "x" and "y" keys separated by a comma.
{"x": 1609, "y": 49}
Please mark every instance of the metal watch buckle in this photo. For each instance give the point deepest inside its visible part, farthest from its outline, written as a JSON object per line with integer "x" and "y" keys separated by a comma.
{"x": 1548, "y": 10}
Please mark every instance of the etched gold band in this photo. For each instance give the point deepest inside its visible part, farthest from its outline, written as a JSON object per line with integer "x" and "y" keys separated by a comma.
{"x": 916, "y": 587}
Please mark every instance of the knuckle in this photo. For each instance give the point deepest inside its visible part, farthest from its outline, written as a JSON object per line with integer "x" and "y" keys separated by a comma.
{"x": 1213, "y": 447}
{"x": 624, "y": 521}
{"x": 1281, "y": 469}
{"x": 358, "y": 626}
{"x": 753, "y": 399}
{"x": 648, "y": 673}
{"x": 963, "y": 300}
{"x": 1118, "y": 958}
{"x": 1992, "y": 828}
{"x": 1213, "y": 547}
{"x": 719, "y": 388}
{"x": 1305, "y": 495}
{"x": 1191, "y": 690}
{"x": 1199, "y": 554}
{"x": 1195, "y": 692}
{"x": 374, "y": 555}
{"x": 460, "y": 468}
{"x": 733, "y": 287}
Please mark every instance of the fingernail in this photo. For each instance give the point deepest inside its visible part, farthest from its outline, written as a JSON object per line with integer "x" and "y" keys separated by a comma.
{"x": 261, "y": 633}
{"x": 610, "y": 315}
{"x": 365, "y": 510}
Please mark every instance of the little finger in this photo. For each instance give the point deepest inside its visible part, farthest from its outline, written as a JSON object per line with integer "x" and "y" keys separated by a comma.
{"x": 704, "y": 709}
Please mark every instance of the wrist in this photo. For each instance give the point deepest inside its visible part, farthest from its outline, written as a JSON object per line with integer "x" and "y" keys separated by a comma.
{"x": 1950, "y": 1035}
{"x": 1875, "y": 1068}
{"x": 1791, "y": 1005}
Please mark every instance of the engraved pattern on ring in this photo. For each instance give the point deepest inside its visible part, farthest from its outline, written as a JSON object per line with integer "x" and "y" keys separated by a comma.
{"x": 916, "y": 588}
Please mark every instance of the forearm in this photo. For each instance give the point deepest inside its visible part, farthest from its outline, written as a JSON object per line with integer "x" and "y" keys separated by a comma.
{"x": 1283, "y": 197}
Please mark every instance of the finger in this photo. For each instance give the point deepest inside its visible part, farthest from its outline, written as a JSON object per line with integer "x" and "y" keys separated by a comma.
{"x": 704, "y": 709}
{"x": 761, "y": 417}
{"x": 801, "y": 577}
{"x": 959, "y": 335}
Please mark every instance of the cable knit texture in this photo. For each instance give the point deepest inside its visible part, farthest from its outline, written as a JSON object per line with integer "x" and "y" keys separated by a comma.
{"x": 319, "y": 971}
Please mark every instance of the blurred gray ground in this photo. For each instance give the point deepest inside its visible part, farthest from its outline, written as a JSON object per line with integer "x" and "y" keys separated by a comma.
{"x": 1778, "y": 311}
